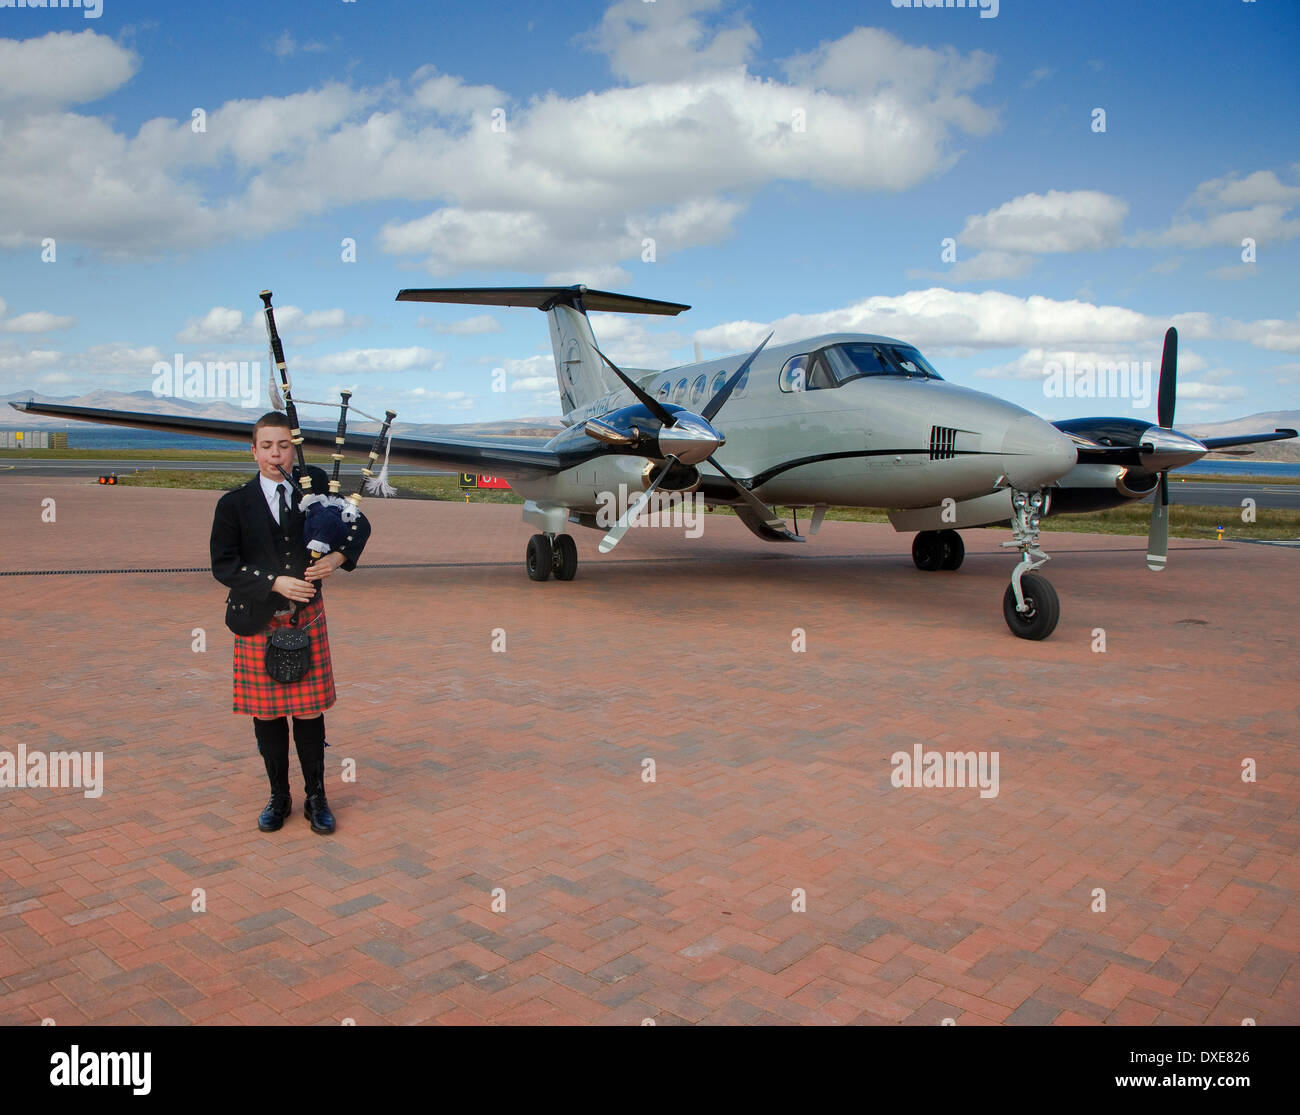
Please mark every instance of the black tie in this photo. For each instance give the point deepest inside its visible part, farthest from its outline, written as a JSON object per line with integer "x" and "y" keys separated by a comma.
{"x": 284, "y": 507}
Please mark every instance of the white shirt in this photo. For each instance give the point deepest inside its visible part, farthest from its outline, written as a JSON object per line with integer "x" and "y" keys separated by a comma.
{"x": 272, "y": 497}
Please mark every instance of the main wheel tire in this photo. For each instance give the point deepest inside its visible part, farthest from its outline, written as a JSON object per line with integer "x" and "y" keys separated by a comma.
{"x": 566, "y": 557}
{"x": 1044, "y": 608}
{"x": 954, "y": 549}
{"x": 928, "y": 550}
{"x": 539, "y": 558}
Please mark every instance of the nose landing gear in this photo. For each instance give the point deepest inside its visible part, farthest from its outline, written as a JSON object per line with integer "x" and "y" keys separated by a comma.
{"x": 1030, "y": 605}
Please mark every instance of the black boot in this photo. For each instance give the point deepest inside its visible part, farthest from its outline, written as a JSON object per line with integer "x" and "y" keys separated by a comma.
{"x": 273, "y": 743}
{"x": 309, "y": 737}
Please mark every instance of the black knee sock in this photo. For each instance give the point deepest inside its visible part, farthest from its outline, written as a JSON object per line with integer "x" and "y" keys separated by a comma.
{"x": 309, "y": 737}
{"x": 272, "y": 738}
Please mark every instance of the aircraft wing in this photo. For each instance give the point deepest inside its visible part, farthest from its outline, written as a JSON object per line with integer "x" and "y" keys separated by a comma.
{"x": 1245, "y": 439}
{"x": 1092, "y": 453}
{"x": 479, "y": 455}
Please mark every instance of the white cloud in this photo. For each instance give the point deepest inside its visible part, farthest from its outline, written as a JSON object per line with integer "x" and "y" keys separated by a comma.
{"x": 1262, "y": 187}
{"x": 980, "y": 267}
{"x": 448, "y": 96}
{"x": 1208, "y": 392}
{"x": 1234, "y": 272}
{"x": 573, "y": 184}
{"x": 286, "y": 45}
{"x": 664, "y": 41}
{"x": 219, "y": 324}
{"x": 939, "y": 318}
{"x": 15, "y": 362}
{"x": 1058, "y": 221}
{"x": 38, "y": 321}
{"x": 223, "y": 325}
{"x": 382, "y": 361}
{"x": 1261, "y": 223}
{"x": 1268, "y": 202}
{"x": 449, "y": 400}
{"x": 470, "y": 326}
{"x": 62, "y": 68}
{"x": 1033, "y": 363}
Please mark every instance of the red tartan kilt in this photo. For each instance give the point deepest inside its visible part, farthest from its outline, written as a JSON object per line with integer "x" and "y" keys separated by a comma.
{"x": 259, "y": 694}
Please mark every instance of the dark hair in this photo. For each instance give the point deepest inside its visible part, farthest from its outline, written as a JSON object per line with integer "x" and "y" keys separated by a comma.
{"x": 271, "y": 418}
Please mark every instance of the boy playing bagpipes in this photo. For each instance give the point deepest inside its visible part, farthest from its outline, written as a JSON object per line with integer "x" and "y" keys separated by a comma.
{"x": 267, "y": 549}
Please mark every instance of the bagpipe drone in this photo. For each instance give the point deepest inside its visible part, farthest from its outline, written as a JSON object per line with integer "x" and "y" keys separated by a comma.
{"x": 330, "y": 518}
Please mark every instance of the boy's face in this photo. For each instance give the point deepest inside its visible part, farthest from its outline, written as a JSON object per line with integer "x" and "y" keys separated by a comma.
{"x": 273, "y": 446}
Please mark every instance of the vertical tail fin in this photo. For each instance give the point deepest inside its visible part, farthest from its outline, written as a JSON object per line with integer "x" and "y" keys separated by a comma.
{"x": 580, "y": 374}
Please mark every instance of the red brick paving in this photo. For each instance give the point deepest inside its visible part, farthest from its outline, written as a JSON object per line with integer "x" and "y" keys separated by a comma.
{"x": 669, "y": 900}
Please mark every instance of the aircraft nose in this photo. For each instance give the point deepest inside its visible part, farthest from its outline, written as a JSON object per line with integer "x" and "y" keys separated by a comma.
{"x": 1035, "y": 453}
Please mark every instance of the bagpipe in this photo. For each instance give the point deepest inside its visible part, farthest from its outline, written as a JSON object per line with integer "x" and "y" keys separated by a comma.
{"x": 330, "y": 519}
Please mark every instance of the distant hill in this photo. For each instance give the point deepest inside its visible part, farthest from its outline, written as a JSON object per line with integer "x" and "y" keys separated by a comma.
{"x": 1262, "y": 423}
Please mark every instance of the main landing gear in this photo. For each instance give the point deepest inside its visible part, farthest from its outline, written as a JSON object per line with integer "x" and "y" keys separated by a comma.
{"x": 938, "y": 549}
{"x": 551, "y": 553}
{"x": 1030, "y": 605}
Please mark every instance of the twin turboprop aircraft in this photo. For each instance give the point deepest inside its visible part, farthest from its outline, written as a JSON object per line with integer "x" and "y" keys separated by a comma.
{"x": 845, "y": 419}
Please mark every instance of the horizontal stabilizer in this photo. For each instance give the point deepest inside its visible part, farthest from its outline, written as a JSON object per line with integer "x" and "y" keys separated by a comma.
{"x": 542, "y": 298}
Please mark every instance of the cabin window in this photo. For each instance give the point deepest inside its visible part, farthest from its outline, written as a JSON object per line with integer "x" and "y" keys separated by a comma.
{"x": 697, "y": 389}
{"x": 662, "y": 396}
{"x": 819, "y": 374}
{"x": 679, "y": 392}
{"x": 794, "y": 376}
{"x": 879, "y": 358}
{"x": 719, "y": 381}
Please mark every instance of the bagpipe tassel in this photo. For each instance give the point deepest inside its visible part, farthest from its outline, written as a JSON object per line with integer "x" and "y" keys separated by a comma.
{"x": 379, "y": 485}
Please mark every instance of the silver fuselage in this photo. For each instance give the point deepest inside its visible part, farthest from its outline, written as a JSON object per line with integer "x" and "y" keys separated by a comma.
{"x": 877, "y": 441}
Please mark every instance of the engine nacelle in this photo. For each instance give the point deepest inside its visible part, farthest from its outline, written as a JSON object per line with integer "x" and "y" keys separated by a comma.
{"x": 1094, "y": 487}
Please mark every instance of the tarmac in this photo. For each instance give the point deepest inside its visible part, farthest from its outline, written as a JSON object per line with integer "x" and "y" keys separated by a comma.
{"x": 664, "y": 790}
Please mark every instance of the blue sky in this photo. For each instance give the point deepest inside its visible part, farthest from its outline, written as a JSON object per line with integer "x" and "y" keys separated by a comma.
{"x": 796, "y": 166}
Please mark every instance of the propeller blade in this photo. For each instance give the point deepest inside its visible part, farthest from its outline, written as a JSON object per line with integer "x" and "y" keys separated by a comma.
{"x": 724, "y": 392}
{"x": 1158, "y": 538}
{"x": 625, "y": 520}
{"x": 1168, "y": 380}
{"x": 768, "y": 516}
{"x": 649, "y": 401}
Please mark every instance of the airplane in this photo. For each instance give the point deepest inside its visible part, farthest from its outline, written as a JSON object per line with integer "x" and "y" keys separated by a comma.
{"x": 840, "y": 419}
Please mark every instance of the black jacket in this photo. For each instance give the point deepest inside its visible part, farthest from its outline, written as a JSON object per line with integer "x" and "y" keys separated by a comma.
{"x": 246, "y": 557}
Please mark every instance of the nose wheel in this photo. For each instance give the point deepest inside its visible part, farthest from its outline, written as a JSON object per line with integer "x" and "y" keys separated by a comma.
{"x": 1042, "y": 607}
